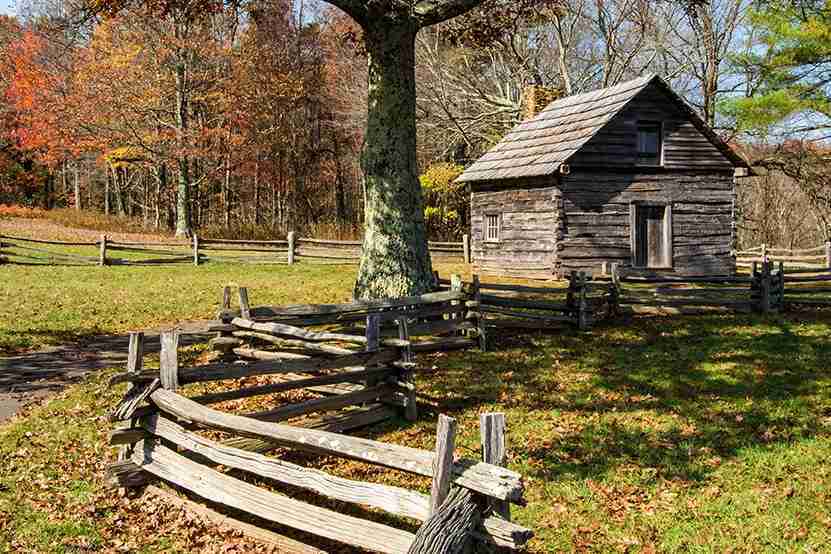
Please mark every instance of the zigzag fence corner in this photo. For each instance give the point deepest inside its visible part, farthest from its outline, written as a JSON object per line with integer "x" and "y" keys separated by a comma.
{"x": 107, "y": 252}
{"x": 338, "y": 380}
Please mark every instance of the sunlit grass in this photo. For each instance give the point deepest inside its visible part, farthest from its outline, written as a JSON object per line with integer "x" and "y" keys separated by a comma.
{"x": 687, "y": 434}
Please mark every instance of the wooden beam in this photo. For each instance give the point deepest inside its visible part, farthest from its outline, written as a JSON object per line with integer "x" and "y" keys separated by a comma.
{"x": 492, "y": 433}
{"x": 282, "y": 543}
{"x": 235, "y": 493}
{"x": 443, "y": 462}
{"x": 483, "y": 478}
{"x": 394, "y": 500}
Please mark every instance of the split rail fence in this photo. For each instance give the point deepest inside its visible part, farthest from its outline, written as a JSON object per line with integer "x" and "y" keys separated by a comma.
{"x": 501, "y": 305}
{"x": 346, "y": 380}
{"x": 818, "y": 257}
{"x": 108, "y": 252}
{"x": 769, "y": 288}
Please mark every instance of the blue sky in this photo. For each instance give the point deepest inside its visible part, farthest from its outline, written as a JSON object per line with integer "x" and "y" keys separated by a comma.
{"x": 7, "y": 6}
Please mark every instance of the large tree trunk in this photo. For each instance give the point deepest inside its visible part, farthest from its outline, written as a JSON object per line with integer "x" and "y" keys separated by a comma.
{"x": 395, "y": 260}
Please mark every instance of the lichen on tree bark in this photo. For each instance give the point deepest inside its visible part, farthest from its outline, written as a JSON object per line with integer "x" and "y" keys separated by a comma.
{"x": 395, "y": 260}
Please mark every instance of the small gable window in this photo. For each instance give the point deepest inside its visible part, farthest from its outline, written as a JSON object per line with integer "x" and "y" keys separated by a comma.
{"x": 649, "y": 143}
{"x": 492, "y": 228}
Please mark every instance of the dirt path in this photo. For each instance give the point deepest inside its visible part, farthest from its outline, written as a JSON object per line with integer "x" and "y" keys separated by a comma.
{"x": 33, "y": 376}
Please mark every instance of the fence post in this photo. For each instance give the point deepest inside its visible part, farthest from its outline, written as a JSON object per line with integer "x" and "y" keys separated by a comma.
{"x": 765, "y": 288}
{"x": 226, "y": 298}
{"x": 570, "y": 304}
{"x": 291, "y": 248}
{"x": 828, "y": 254}
{"x": 195, "y": 249}
{"x": 405, "y": 373}
{"x": 443, "y": 462}
{"x": 466, "y": 247}
{"x": 244, "y": 306}
{"x": 492, "y": 433}
{"x": 583, "y": 306}
{"x": 102, "y": 253}
{"x": 135, "y": 358}
{"x": 614, "y": 291}
{"x": 456, "y": 286}
{"x": 373, "y": 332}
{"x": 780, "y": 289}
{"x": 480, "y": 319}
{"x": 169, "y": 360}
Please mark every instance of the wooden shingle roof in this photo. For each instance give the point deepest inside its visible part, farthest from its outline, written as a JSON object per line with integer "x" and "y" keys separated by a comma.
{"x": 538, "y": 146}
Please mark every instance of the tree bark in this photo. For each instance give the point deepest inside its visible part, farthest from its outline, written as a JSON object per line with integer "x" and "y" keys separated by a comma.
{"x": 395, "y": 260}
{"x": 183, "y": 219}
{"x": 77, "y": 186}
{"x": 107, "y": 193}
{"x": 226, "y": 191}
{"x": 450, "y": 529}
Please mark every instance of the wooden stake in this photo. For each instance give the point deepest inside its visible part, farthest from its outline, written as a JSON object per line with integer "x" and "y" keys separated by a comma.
{"x": 406, "y": 375}
{"x": 583, "y": 307}
{"x": 135, "y": 355}
{"x": 195, "y": 249}
{"x": 492, "y": 432}
{"x": 102, "y": 254}
{"x": 443, "y": 461}
{"x": 765, "y": 287}
{"x": 373, "y": 332}
{"x": 244, "y": 307}
{"x": 828, "y": 254}
{"x": 169, "y": 360}
{"x": 226, "y": 298}
{"x": 480, "y": 319}
{"x": 291, "y": 248}
{"x": 466, "y": 248}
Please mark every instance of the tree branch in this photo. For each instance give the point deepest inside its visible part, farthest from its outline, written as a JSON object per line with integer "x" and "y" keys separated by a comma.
{"x": 356, "y": 9}
{"x": 430, "y": 12}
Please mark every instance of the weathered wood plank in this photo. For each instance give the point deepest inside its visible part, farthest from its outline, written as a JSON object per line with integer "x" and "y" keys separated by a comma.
{"x": 494, "y": 451}
{"x": 443, "y": 462}
{"x": 484, "y": 478}
{"x": 294, "y": 384}
{"x": 284, "y": 544}
{"x": 235, "y": 493}
{"x": 394, "y": 500}
{"x": 323, "y": 404}
{"x": 221, "y": 371}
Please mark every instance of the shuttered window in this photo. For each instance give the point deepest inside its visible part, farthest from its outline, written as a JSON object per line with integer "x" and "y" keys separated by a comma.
{"x": 492, "y": 227}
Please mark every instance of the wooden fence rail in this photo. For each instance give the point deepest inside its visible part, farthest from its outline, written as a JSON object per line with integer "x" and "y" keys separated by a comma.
{"x": 817, "y": 257}
{"x": 499, "y": 305}
{"x": 105, "y": 251}
{"x": 770, "y": 288}
{"x": 352, "y": 373}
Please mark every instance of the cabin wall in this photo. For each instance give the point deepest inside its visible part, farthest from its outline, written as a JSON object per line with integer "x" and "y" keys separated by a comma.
{"x": 684, "y": 146}
{"x": 595, "y": 222}
{"x": 529, "y": 213}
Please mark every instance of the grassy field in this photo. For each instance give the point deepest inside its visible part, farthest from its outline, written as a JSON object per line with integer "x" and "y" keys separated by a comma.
{"x": 695, "y": 434}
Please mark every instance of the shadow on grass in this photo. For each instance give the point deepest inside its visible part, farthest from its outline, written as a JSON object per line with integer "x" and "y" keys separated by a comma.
{"x": 57, "y": 366}
{"x": 676, "y": 397}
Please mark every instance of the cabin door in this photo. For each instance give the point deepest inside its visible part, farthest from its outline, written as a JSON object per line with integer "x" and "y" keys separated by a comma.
{"x": 651, "y": 240}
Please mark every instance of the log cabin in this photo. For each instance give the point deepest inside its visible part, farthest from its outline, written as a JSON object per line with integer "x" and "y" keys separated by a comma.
{"x": 628, "y": 174}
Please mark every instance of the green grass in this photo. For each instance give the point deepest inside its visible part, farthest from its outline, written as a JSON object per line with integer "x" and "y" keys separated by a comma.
{"x": 688, "y": 434}
{"x": 53, "y": 305}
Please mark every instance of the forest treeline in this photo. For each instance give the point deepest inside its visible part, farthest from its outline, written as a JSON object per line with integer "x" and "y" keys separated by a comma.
{"x": 248, "y": 118}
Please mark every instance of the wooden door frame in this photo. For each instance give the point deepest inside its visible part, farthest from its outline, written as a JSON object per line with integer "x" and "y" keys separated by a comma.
{"x": 669, "y": 250}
